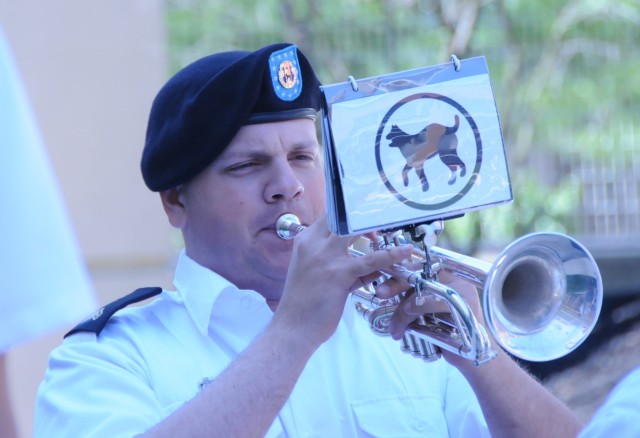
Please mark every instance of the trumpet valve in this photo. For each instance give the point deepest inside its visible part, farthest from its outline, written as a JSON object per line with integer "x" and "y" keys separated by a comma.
{"x": 419, "y": 348}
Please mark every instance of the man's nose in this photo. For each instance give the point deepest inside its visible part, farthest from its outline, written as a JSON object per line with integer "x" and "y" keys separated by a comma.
{"x": 283, "y": 184}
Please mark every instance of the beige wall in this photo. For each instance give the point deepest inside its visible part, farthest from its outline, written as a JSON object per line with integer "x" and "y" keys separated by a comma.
{"x": 91, "y": 69}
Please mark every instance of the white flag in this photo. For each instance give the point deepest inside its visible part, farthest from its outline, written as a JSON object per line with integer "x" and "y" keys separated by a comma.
{"x": 44, "y": 284}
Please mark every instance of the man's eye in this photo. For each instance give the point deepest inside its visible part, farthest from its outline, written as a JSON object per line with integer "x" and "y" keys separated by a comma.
{"x": 241, "y": 166}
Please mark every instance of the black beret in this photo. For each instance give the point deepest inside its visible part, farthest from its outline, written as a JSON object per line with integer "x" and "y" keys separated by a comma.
{"x": 197, "y": 113}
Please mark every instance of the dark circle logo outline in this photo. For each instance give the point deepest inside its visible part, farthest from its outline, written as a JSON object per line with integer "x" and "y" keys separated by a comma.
{"x": 476, "y": 134}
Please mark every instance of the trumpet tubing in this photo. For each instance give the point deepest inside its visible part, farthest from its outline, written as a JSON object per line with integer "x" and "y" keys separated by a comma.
{"x": 540, "y": 298}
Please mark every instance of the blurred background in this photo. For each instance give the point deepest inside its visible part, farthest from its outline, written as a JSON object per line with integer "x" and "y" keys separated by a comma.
{"x": 565, "y": 79}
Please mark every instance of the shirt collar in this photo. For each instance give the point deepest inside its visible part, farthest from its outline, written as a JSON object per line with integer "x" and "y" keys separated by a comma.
{"x": 203, "y": 291}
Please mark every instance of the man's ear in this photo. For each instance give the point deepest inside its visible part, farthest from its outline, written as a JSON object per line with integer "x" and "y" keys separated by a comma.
{"x": 174, "y": 207}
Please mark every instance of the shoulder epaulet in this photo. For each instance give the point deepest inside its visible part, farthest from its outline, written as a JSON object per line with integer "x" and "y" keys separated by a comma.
{"x": 96, "y": 322}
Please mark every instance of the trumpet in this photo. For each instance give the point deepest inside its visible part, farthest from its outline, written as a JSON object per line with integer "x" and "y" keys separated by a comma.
{"x": 541, "y": 297}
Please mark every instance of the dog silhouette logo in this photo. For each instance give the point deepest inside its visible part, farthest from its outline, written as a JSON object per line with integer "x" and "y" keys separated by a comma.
{"x": 439, "y": 141}
{"x": 433, "y": 140}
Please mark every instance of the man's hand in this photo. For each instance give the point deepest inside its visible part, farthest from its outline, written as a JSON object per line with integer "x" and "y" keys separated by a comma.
{"x": 408, "y": 310}
{"x": 321, "y": 275}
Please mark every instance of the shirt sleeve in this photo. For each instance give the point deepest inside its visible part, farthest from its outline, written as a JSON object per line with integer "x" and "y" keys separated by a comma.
{"x": 95, "y": 389}
{"x": 618, "y": 416}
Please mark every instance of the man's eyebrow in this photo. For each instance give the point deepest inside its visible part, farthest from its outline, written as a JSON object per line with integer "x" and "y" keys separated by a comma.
{"x": 259, "y": 152}
{"x": 308, "y": 144}
{"x": 249, "y": 153}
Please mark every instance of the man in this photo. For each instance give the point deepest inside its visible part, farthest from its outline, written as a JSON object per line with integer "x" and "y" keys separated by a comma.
{"x": 256, "y": 339}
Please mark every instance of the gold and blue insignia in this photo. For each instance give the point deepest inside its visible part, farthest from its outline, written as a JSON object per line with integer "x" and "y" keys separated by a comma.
{"x": 286, "y": 76}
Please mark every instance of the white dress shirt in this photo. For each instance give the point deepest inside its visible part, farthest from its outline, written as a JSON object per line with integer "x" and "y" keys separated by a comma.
{"x": 151, "y": 359}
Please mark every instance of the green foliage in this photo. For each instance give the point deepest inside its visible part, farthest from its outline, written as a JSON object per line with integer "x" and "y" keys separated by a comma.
{"x": 564, "y": 77}
{"x": 538, "y": 208}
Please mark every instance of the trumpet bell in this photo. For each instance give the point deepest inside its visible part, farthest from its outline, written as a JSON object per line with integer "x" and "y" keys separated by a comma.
{"x": 542, "y": 296}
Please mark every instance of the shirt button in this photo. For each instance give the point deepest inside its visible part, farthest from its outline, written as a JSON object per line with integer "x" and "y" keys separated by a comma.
{"x": 245, "y": 301}
{"x": 418, "y": 425}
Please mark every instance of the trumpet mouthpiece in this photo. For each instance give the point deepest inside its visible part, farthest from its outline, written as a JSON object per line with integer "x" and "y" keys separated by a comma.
{"x": 287, "y": 226}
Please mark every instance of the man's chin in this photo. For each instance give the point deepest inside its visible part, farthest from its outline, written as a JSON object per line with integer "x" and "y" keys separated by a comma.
{"x": 273, "y": 258}
{"x": 275, "y": 266}
{"x": 273, "y": 283}
{"x": 279, "y": 272}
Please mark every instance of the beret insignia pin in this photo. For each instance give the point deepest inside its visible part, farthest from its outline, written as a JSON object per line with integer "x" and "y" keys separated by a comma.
{"x": 286, "y": 77}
